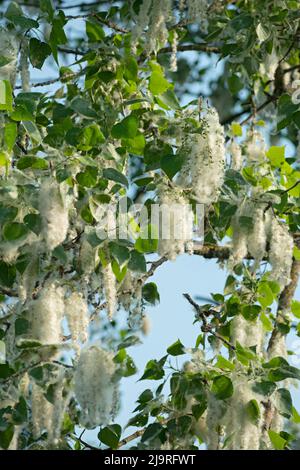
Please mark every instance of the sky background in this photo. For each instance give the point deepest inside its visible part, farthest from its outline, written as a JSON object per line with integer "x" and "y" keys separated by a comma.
{"x": 173, "y": 317}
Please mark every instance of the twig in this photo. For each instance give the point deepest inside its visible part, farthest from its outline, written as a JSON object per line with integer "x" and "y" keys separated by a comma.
{"x": 190, "y": 47}
{"x": 130, "y": 438}
{"x": 292, "y": 187}
{"x": 284, "y": 302}
{"x": 53, "y": 80}
{"x": 89, "y": 446}
{"x": 207, "y": 328}
{"x": 8, "y": 292}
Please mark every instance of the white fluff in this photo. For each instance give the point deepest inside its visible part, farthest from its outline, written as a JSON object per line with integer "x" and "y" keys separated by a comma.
{"x": 46, "y": 314}
{"x": 110, "y": 290}
{"x": 281, "y": 253}
{"x": 95, "y": 386}
{"x": 54, "y": 214}
{"x": 76, "y": 309}
{"x": 176, "y": 228}
{"x": 204, "y": 167}
{"x": 9, "y": 49}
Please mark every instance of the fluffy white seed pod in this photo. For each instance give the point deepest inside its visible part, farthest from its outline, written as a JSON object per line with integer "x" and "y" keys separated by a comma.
{"x": 110, "y": 290}
{"x": 255, "y": 147}
{"x": 87, "y": 257}
{"x": 76, "y": 309}
{"x": 281, "y": 253}
{"x": 157, "y": 33}
{"x": 9, "y": 47}
{"x": 54, "y": 214}
{"x": 173, "y": 59}
{"x": 46, "y": 314}
{"x": 197, "y": 13}
{"x": 236, "y": 156}
{"x": 204, "y": 167}
{"x": 95, "y": 386}
{"x": 257, "y": 237}
{"x": 176, "y": 228}
{"x": 247, "y": 333}
{"x": 42, "y": 411}
{"x": 245, "y": 435}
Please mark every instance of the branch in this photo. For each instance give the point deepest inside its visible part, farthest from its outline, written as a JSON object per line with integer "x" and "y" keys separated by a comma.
{"x": 108, "y": 23}
{"x": 207, "y": 328}
{"x": 190, "y": 47}
{"x": 8, "y": 292}
{"x": 89, "y": 446}
{"x": 130, "y": 438}
{"x": 285, "y": 301}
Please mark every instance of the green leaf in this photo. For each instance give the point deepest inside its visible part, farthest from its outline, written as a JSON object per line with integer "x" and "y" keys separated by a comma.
{"x": 7, "y": 274}
{"x": 91, "y": 136}
{"x": 82, "y": 106}
{"x": 6, "y": 99}
{"x": 38, "y": 52}
{"x": 33, "y": 222}
{"x": 137, "y": 262}
{"x": 10, "y": 135}
{"x": 223, "y": 363}
{"x": 15, "y": 14}
{"x": 295, "y": 307}
{"x": 150, "y": 293}
{"x": 88, "y": 178}
{"x": 244, "y": 355}
{"x": 276, "y": 155}
{"x": 237, "y": 129}
{"x": 264, "y": 388}
{"x": 284, "y": 402}
{"x": 22, "y": 326}
{"x": 126, "y": 129}
{"x": 171, "y": 164}
{"x": 222, "y": 387}
{"x": 115, "y": 175}
{"x": 277, "y": 441}
{"x": 266, "y": 296}
{"x": 119, "y": 252}
{"x": 119, "y": 272}
{"x": 6, "y": 371}
{"x": 131, "y": 69}
{"x": 146, "y": 245}
{"x": 6, "y": 436}
{"x": 7, "y": 213}
{"x": 176, "y": 349}
{"x": 32, "y": 162}
{"x": 94, "y": 32}
{"x": 154, "y": 369}
{"x": 20, "y": 412}
{"x": 153, "y": 431}
{"x": 110, "y": 435}
{"x": 253, "y": 411}
{"x": 157, "y": 83}
{"x": 170, "y": 99}
{"x": 251, "y": 312}
{"x": 235, "y": 85}
{"x": 14, "y": 230}
{"x": 47, "y": 7}
{"x": 295, "y": 416}
{"x": 129, "y": 341}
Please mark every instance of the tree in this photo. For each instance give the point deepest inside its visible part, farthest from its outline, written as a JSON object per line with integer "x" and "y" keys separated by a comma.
{"x": 109, "y": 130}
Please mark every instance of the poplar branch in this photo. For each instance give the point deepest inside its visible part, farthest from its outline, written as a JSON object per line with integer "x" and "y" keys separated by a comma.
{"x": 191, "y": 47}
{"x": 284, "y": 302}
{"x": 207, "y": 327}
